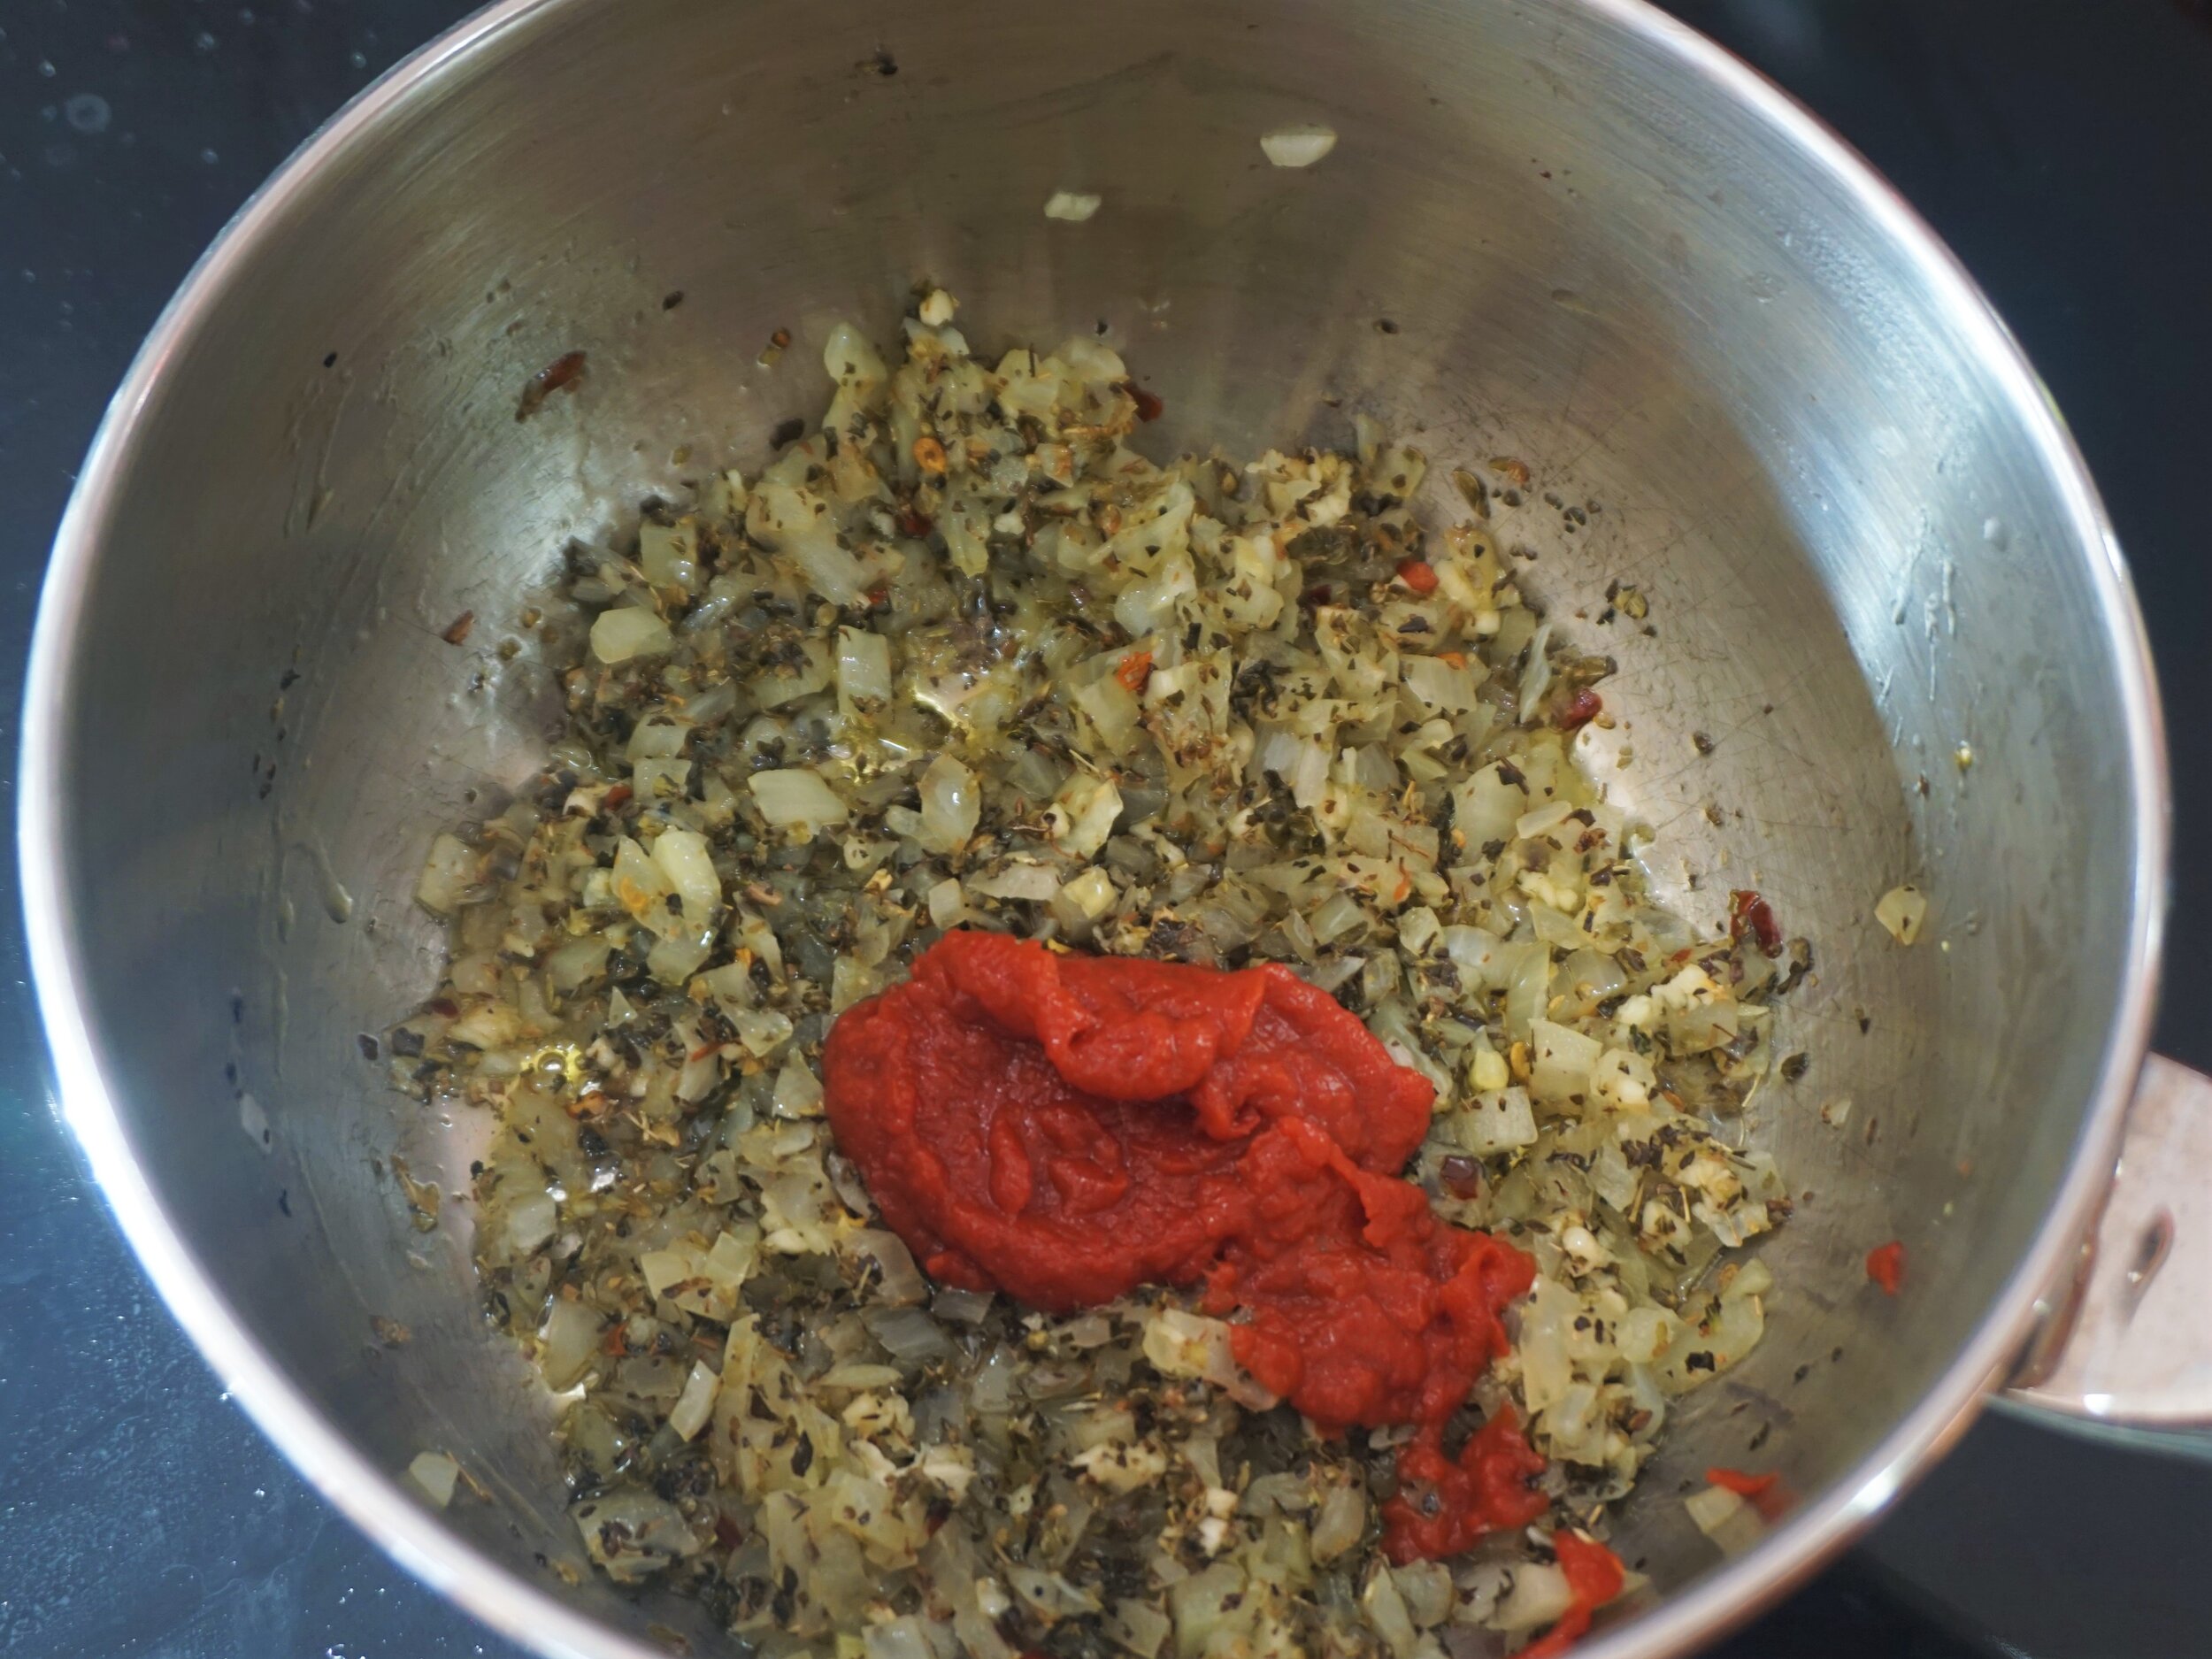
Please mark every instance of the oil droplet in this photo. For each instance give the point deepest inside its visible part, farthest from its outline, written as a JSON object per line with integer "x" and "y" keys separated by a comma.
{"x": 87, "y": 113}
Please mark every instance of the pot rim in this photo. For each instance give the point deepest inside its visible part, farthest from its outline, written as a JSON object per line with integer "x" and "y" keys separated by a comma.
{"x": 414, "y": 1536}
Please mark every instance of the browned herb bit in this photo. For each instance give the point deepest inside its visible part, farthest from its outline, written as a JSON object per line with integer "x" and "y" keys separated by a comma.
{"x": 564, "y": 372}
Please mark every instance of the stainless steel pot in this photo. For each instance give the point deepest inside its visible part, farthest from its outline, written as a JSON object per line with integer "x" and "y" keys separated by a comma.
{"x": 1881, "y": 594}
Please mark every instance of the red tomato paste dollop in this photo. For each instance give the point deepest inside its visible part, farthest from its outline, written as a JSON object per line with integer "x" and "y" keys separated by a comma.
{"x": 1067, "y": 1127}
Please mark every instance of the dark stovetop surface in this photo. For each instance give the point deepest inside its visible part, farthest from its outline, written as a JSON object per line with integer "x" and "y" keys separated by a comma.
{"x": 2060, "y": 147}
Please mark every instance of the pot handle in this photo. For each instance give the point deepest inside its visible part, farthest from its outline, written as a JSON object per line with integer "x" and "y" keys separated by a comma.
{"x": 2128, "y": 1345}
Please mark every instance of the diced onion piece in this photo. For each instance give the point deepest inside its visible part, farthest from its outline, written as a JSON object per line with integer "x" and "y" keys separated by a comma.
{"x": 1092, "y": 893}
{"x": 1643, "y": 1334}
{"x": 863, "y": 670}
{"x": 899, "y": 1281}
{"x": 1082, "y": 815}
{"x": 1051, "y": 1595}
{"x": 798, "y": 1091}
{"x": 1206, "y": 1607}
{"x": 1075, "y": 206}
{"x": 680, "y": 951}
{"x": 669, "y": 554}
{"x": 1901, "y": 910}
{"x": 1426, "y": 1588}
{"x": 664, "y": 1270}
{"x": 1528, "y": 992}
{"x": 1723, "y": 1516}
{"x": 1623, "y": 1080}
{"x": 900, "y": 1638}
{"x": 1437, "y": 686}
{"x": 448, "y": 875}
{"x": 1386, "y": 1611}
{"x": 850, "y": 359}
{"x": 683, "y": 857}
{"x": 569, "y": 1342}
{"x": 1560, "y": 1062}
{"x": 1496, "y": 1122}
{"x": 695, "y": 1404}
{"x": 1342, "y": 1518}
{"x": 1298, "y": 146}
{"x": 1017, "y": 878}
{"x": 797, "y": 798}
{"x": 629, "y": 631}
{"x": 1181, "y": 1344}
{"x": 952, "y": 802}
{"x": 435, "y": 1474}
{"x": 1540, "y": 1595}
{"x": 531, "y": 1221}
{"x": 1138, "y": 1627}
{"x": 760, "y": 1031}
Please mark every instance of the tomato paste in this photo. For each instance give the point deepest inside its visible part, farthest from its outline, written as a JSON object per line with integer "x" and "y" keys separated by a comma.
{"x": 1067, "y": 1127}
{"x": 1594, "y": 1577}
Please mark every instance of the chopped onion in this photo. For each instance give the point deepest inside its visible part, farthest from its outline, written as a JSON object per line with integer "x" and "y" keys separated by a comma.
{"x": 683, "y": 857}
{"x": 1540, "y": 1595}
{"x": 899, "y": 1282}
{"x": 448, "y": 876}
{"x": 863, "y": 670}
{"x": 797, "y": 799}
{"x": 1723, "y": 1516}
{"x": 629, "y": 631}
{"x": 669, "y": 554}
{"x": 695, "y": 1404}
{"x": 1560, "y": 1062}
{"x": 1902, "y": 911}
{"x": 1298, "y": 146}
{"x": 1075, "y": 206}
{"x": 435, "y": 1474}
{"x": 1341, "y": 1519}
{"x": 1494, "y": 1123}
{"x": 951, "y": 805}
{"x": 531, "y": 1221}
{"x": 1017, "y": 878}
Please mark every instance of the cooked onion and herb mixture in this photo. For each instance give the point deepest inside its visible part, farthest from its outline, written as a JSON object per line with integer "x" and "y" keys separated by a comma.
{"x": 1078, "y": 1069}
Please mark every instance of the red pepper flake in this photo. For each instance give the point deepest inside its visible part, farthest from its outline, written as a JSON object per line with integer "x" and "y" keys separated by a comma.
{"x": 727, "y": 1533}
{"x": 1417, "y": 574}
{"x": 615, "y": 797}
{"x": 1885, "y": 1266}
{"x": 1749, "y": 913}
{"x": 880, "y": 597}
{"x": 563, "y": 372}
{"x": 1737, "y": 1481}
{"x": 1594, "y": 1577}
{"x": 458, "y": 629}
{"x": 616, "y": 1341}
{"x": 1134, "y": 670}
{"x": 1462, "y": 1177}
{"x": 443, "y": 1007}
{"x": 1578, "y": 711}
{"x": 913, "y": 522}
{"x": 1149, "y": 405}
